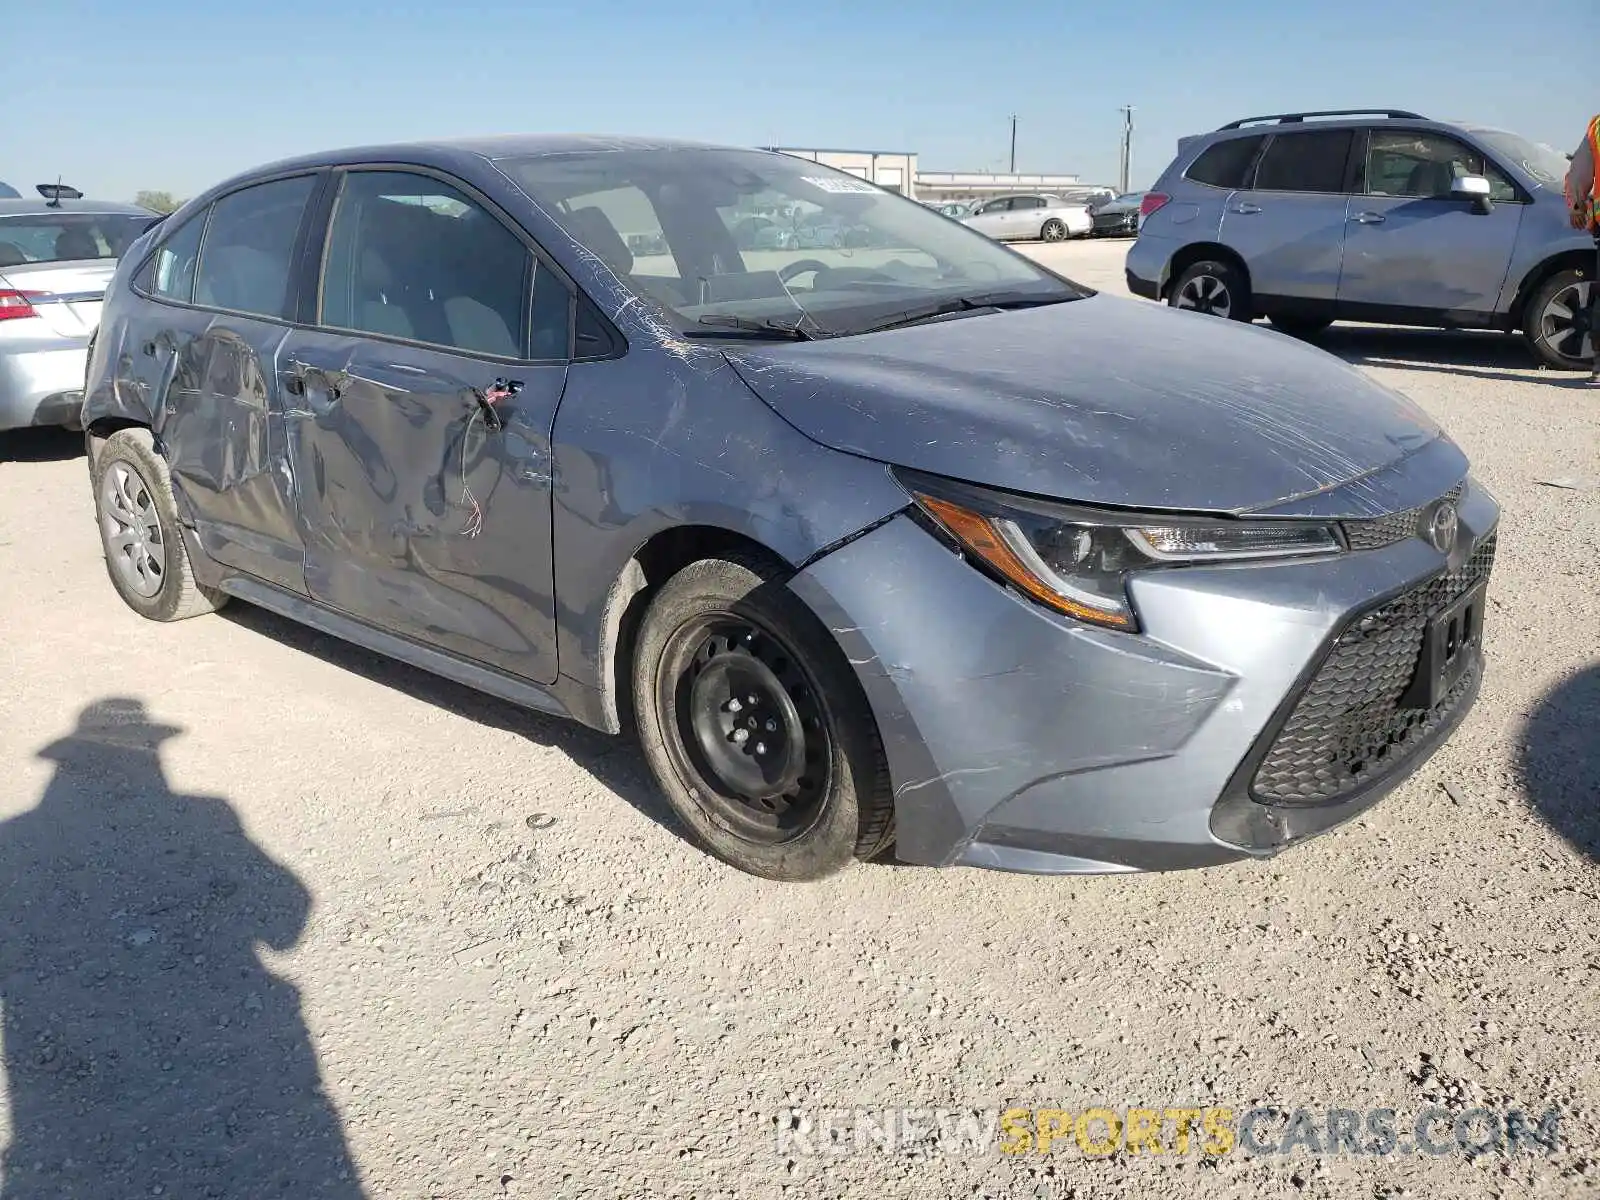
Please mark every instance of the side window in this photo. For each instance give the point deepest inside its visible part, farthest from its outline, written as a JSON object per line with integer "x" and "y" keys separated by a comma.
{"x": 413, "y": 257}
{"x": 1223, "y": 164}
{"x": 551, "y": 318}
{"x": 170, "y": 274}
{"x": 1029, "y": 202}
{"x": 1306, "y": 162}
{"x": 1421, "y": 165}
{"x": 247, "y": 256}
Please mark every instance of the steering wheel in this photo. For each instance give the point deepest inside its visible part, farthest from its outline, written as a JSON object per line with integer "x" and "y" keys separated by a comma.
{"x": 790, "y": 270}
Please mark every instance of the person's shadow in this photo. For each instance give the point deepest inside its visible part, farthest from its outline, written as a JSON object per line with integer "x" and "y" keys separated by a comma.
{"x": 148, "y": 1052}
{"x": 1560, "y": 760}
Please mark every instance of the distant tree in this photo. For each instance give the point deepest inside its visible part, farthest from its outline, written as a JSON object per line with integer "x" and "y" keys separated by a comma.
{"x": 161, "y": 202}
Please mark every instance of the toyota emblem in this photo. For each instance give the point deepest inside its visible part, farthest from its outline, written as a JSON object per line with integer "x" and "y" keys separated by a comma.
{"x": 1442, "y": 529}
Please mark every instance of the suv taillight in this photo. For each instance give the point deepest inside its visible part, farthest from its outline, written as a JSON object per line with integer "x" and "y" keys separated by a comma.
{"x": 16, "y": 304}
{"x": 1152, "y": 202}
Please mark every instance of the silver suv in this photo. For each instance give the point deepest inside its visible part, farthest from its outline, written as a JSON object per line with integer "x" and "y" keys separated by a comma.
{"x": 1361, "y": 215}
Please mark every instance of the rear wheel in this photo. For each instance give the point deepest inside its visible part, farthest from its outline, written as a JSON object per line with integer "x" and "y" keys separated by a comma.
{"x": 1558, "y": 325}
{"x": 1053, "y": 231}
{"x": 144, "y": 549}
{"x": 1218, "y": 289}
{"x": 755, "y": 727}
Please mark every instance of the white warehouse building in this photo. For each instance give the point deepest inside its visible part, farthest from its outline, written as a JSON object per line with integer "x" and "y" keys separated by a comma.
{"x": 898, "y": 171}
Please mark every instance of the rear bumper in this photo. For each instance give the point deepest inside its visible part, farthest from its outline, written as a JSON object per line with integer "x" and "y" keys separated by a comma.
{"x": 42, "y": 383}
{"x": 1146, "y": 265}
{"x": 1020, "y": 741}
{"x": 1148, "y": 289}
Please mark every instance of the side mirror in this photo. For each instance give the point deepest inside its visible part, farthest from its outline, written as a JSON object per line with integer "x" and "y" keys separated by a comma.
{"x": 1474, "y": 188}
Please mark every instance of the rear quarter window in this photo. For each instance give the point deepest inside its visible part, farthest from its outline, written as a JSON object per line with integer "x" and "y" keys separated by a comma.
{"x": 1225, "y": 164}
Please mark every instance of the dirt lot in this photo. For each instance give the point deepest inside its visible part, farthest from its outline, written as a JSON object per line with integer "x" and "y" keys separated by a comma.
{"x": 355, "y": 924}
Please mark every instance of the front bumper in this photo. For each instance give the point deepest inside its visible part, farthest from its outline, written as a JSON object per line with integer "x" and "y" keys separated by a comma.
{"x": 1020, "y": 740}
{"x": 41, "y": 381}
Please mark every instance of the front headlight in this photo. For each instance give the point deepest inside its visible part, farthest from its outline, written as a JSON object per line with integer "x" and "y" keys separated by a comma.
{"x": 1077, "y": 561}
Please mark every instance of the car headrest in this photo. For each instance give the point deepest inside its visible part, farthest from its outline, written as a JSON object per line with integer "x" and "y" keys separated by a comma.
{"x": 591, "y": 228}
{"x": 76, "y": 243}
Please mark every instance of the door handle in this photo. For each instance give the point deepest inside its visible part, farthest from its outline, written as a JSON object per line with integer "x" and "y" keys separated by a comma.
{"x": 500, "y": 389}
{"x": 294, "y": 377}
{"x": 149, "y": 349}
{"x": 1247, "y": 209}
{"x": 1371, "y": 218}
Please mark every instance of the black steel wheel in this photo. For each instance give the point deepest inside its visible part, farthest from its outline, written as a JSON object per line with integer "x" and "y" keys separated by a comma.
{"x": 755, "y": 727}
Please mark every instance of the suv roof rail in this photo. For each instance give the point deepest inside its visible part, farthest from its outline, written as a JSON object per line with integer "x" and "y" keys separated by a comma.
{"x": 1295, "y": 118}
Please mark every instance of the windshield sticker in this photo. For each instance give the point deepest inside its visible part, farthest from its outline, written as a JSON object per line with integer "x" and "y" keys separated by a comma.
{"x": 829, "y": 183}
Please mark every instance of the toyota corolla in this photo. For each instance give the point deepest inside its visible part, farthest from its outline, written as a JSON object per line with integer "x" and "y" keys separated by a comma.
{"x": 911, "y": 547}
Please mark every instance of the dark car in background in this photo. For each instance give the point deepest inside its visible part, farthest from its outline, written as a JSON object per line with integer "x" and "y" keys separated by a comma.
{"x": 1118, "y": 216}
{"x": 888, "y": 550}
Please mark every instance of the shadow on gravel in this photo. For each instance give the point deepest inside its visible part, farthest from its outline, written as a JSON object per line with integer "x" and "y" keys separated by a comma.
{"x": 1445, "y": 351}
{"x": 40, "y": 445}
{"x": 147, "y": 1049}
{"x": 615, "y": 761}
{"x": 1560, "y": 760}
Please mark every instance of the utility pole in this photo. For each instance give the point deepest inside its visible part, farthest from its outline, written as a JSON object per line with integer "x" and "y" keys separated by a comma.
{"x": 1124, "y": 179}
{"x": 1013, "y": 143}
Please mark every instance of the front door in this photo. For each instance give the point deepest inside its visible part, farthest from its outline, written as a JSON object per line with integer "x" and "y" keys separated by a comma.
{"x": 1411, "y": 245}
{"x": 420, "y": 414}
{"x": 991, "y": 218}
{"x": 1288, "y": 223}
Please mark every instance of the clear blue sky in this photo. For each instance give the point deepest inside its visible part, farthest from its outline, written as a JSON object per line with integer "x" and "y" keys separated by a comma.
{"x": 118, "y": 95}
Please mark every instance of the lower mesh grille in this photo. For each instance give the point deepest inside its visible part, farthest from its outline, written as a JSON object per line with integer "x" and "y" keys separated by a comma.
{"x": 1348, "y": 728}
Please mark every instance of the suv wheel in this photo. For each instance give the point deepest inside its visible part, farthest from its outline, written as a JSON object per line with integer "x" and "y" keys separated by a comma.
{"x": 755, "y": 727}
{"x": 145, "y": 553}
{"x": 1557, "y": 325}
{"x": 1215, "y": 288}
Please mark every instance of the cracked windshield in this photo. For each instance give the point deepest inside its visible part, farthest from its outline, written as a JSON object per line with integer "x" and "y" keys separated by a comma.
{"x": 729, "y": 242}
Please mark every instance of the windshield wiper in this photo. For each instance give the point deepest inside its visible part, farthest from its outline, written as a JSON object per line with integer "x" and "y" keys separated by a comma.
{"x": 939, "y": 308}
{"x": 768, "y": 328}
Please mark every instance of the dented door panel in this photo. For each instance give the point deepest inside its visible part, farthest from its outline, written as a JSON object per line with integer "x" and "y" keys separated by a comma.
{"x": 418, "y": 516}
{"x": 207, "y": 381}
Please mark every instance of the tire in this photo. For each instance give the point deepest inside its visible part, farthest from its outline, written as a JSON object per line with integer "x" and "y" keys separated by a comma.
{"x": 721, "y": 632}
{"x": 1554, "y": 321}
{"x": 1299, "y": 327}
{"x": 1053, "y": 231}
{"x": 1195, "y": 291}
{"x": 145, "y": 553}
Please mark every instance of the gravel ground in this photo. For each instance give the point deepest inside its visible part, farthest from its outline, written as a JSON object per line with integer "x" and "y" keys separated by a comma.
{"x": 352, "y": 931}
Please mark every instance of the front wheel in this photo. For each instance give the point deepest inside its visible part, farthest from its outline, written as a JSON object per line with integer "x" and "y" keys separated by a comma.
{"x": 1053, "y": 231}
{"x": 144, "y": 549}
{"x": 1215, "y": 288}
{"x": 755, "y": 727}
{"x": 1558, "y": 325}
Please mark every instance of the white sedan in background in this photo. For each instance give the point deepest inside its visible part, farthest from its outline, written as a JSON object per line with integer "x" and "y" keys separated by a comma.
{"x": 1030, "y": 217}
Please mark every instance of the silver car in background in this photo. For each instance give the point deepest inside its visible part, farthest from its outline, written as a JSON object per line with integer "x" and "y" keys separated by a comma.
{"x": 1032, "y": 217}
{"x": 56, "y": 257}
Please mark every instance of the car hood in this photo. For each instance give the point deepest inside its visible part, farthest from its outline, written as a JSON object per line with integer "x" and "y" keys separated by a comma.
{"x": 1104, "y": 401}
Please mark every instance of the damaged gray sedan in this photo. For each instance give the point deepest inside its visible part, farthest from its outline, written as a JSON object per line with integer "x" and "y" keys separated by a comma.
{"x": 911, "y": 547}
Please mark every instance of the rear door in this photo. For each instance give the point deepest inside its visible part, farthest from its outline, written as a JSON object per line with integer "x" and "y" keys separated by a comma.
{"x": 1411, "y": 245}
{"x": 1288, "y": 221}
{"x": 204, "y": 357}
{"x": 420, "y": 415}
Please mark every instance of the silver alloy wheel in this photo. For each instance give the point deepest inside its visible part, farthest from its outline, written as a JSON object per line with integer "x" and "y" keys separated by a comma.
{"x": 1563, "y": 325}
{"x": 1053, "y": 231}
{"x": 132, "y": 530}
{"x": 1206, "y": 294}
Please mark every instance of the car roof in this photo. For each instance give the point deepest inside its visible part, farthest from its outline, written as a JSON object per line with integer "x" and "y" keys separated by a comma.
{"x": 13, "y": 207}
{"x": 510, "y": 145}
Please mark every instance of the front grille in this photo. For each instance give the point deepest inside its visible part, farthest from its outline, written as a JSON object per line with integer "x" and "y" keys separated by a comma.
{"x": 1396, "y": 527}
{"x": 1348, "y": 728}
